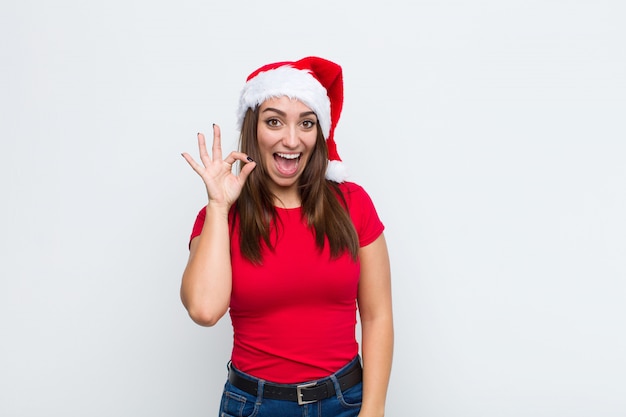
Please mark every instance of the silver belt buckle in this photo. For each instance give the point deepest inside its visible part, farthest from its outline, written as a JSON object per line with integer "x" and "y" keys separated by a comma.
{"x": 299, "y": 393}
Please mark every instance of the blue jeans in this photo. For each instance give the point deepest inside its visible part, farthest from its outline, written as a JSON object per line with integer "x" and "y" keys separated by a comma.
{"x": 238, "y": 403}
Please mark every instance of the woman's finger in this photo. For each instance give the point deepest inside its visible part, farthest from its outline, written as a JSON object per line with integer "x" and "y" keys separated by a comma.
{"x": 246, "y": 170}
{"x": 236, "y": 156}
{"x": 202, "y": 150}
{"x": 217, "y": 143}
{"x": 194, "y": 165}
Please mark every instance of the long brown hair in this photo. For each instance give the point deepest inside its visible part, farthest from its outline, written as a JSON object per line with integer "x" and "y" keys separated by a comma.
{"x": 323, "y": 203}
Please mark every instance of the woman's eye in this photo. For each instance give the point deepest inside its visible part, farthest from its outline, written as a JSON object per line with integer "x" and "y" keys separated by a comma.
{"x": 272, "y": 122}
{"x": 308, "y": 124}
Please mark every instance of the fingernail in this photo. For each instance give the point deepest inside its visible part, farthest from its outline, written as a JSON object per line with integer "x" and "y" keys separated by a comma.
{"x": 250, "y": 159}
{"x": 213, "y": 124}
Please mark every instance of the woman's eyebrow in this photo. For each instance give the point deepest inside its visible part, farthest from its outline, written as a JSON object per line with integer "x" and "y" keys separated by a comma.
{"x": 282, "y": 113}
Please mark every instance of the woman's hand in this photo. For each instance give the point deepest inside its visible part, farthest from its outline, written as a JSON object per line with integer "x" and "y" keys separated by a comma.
{"x": 223, "y": 187}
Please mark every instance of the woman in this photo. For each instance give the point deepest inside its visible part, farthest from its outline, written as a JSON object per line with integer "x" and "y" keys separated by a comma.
{"x": 291, "y": 249}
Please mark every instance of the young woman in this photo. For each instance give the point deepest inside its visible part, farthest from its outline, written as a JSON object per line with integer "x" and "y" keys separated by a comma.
{"x": 291, "y": 249}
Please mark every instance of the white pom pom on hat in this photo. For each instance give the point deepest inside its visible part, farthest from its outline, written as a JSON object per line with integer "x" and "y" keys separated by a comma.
{"x": 316, "y": 82}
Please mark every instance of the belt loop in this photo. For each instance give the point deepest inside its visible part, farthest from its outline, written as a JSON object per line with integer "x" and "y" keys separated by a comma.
{"x": 335, "y": 381}
{"x": 259, "y": 392}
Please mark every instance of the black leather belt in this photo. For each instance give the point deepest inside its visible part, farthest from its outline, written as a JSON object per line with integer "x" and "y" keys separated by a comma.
{"x": 303, "y": 393}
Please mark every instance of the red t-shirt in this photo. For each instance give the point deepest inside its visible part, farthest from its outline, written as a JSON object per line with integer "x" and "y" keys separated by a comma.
{"x": 294, "y": 316}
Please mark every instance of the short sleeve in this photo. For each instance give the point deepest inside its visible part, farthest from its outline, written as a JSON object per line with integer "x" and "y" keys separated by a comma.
{"x": 199, "y": 223}
{"x": 363, "y": 213}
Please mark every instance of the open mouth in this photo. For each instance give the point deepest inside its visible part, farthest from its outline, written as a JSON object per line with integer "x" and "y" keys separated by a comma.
{"x": 287, "y": 163}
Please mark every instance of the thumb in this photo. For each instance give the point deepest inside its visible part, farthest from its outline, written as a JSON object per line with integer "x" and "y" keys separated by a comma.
{"x": 246, "y": 170}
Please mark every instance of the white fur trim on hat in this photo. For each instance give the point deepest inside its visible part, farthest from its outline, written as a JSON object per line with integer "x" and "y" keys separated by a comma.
{"x": 336, "y": 171}
{"x": 290, "y": 82}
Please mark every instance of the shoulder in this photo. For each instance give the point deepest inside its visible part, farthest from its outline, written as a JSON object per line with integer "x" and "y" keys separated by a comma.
{"x": 362, "y": 212}
{"x": 349, "y": 188}
{"x": 354, "y": 193}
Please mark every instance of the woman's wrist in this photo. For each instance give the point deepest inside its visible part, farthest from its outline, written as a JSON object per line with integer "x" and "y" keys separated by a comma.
{"x": 218, "y": 209}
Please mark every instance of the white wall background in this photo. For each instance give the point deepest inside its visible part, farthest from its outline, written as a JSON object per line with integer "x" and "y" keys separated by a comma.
{"x": 489, "y": 133}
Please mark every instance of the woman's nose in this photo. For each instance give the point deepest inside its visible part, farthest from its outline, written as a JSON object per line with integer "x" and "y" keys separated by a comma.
{"x": 291, "y": 137}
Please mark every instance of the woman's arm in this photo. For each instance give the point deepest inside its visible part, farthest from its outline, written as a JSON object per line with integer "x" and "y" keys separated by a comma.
{"x": 207, "y": 280}
{"x": 374, "y": 300}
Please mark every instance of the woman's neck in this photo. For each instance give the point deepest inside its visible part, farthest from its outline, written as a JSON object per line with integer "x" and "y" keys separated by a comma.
{"x": 287, "y": 198}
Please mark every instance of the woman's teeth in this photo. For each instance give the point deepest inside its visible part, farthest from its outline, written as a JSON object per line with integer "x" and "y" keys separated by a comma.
{"x": 288, "y": 155}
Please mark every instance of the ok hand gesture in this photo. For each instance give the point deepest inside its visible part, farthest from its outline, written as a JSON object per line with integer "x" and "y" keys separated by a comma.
{"x": 223, "y": 187}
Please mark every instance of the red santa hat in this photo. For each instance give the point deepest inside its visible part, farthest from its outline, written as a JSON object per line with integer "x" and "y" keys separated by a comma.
{"x": 316, "y": 82}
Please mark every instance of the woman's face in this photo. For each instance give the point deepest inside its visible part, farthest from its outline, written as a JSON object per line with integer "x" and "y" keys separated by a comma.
{"x": 286, "y": 133}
